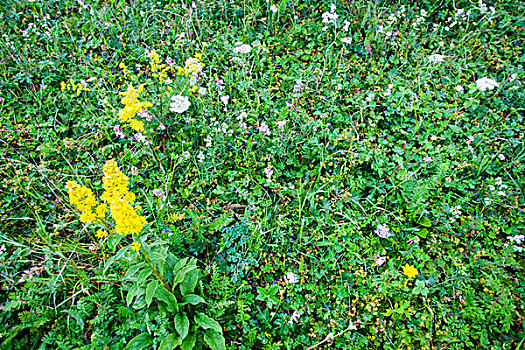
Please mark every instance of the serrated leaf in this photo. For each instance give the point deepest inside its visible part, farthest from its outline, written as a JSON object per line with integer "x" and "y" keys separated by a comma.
{"x": 192, "y": 299}
{"x": 190, "y": 281}
{"x": 170, "y": 342}
{"x": 182, "y": 324}
{"x": 189, "y": 342}
{"x": 150, "y": 291}
{"x": 141, "y": 341}
{"x": 207, "y": 322}
{"x": 214, "y": 340}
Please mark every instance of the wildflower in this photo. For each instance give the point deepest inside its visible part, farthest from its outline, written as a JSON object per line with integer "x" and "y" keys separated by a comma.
{"x": 101, "y": 233}
{"x": 294, "y": 318}
{"x": 436, "y": 58}
{"x": 459, "y": 88}
{"x": 427, "y": 159}
{"x": 274, "y": 8}
{"x": 383, "y": 231}
{"x": 290, "y": 278}
{"x": 161, "y": 127}
{"x": 434, "y": 138}
{"x": 118, "y": 131}
{"x": 176, "y": 217}
{"x": 83, "y": 198}
{"x": 380, "y": 261}
{"x": 243, "y": 49}
{"x": 220, "y": 83}
{"x": 297, "y": 87}
{"x": 281, "y": 124}
{"x": 410, "y": 271}
{"x": 269, "y": 172}
{"x": 201, "y": 91}
{"x": 265, "y": 129}
{"x": 135, "y": 246}
{"x": 201, "y": 156}
{"x": 347, "y": 40}
{"x": 486, "y": 83}
{"x": 225, "y": 99}
{"x": 346, "y": 26}
{"x": 180, "y": 104}
{"x": 140, "y": 137}
{"x": 448, "y": 179}
{"x": 186, "y": 154}
{"x": 470, "y": 139}
{"x": 501, "y": 157}
{"x": 158, "y": 192}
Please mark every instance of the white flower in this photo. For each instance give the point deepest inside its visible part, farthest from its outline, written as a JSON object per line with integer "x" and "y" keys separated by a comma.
{"x": 158, "y": 192}
{"x": 346, "y": 25}
{"x": 139, "y": 137}
{"x": 294, "y": 318}
{"x": 274, "y": 8}
{"x": 501, "y": 157}
{"x": 202, "y": 91}
{"x": 281, "y": 123}
{"x": 265, "y": 129}
{"x": 180, "y": 104}
{"x": 225, "y": 99}
{"x": 383, "y": 231}
{"x": 459, "y": 88}
{"x": 436, "y": 58}
{"x": 186, "y": 154}
{"x": 290, "y": 278}
{"x": 244, "y": 48}
{"x": 329, "y": 17}
{"x": 347, "y": 40}
{"x": 486, "y": 83}
{"x": 201, "y": 156}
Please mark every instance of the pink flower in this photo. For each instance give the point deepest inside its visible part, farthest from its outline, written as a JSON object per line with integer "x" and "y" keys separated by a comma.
{"x": 324, "y": 115}
{"x": 448, "y": 179}
{"x": 380, "y": 260}
{"x": 427, "y": 159}
{"x": 161, "y": 127}
{"x": 118, "y": 131}
{"x": 434, "y": 138}
{"x": 501, "y": 157}
{"x": 383, "y": 231}
{"x": 281, "y": 123}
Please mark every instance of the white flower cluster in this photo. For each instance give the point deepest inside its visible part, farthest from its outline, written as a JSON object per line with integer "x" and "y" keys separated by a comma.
{"x": 242, "y": 48}
{"x": 485, "y": 84}
{"x": 330, "y": 17}
{"x": 180, "y": 104}
{"x": 383, "y": 231}
{"x": 518, "y": 239}
{"x": 436, "y": 58}
{"x": 290, "y": 278}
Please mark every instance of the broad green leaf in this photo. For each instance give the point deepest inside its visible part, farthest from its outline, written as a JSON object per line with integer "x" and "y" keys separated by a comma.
{"x": 182, "y": 324}
{"x": 192, "y": 299}
{"x": 422, "y": 233}
{"x": 190, "y": 281}
{"x": 207, "y": 322}
{"x": 166, "y": 296}
{"x": 150, "y": 291}
{"x": 141, "y": 341}
{"x": 132, "y": 293}
{"x": 214, "y": 340}
{"x": 189, "y": 342}
{"x": 170, "y": 342}
{"x": 131, "y": 274}
{"x": 424, "y": 221}
{"x": 144, "y": 274}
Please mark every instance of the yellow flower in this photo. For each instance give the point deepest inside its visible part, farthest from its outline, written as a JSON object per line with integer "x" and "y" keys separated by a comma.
{"x": 410, "y": 270}
{"x": 62, "y": 85}
{"x": 101, "y": 233}
{"x": 135, "y": 246}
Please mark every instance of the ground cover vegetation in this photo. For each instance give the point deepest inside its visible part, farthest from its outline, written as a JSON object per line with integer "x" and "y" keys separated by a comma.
{"x": 262, "y": 174}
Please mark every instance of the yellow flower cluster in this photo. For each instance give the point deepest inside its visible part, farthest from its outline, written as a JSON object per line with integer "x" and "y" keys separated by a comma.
{"x": 159, "y": 70}
{"x": 71, "y": 86}
{"x": 410, "y": 270}
{"x": 82, "y": 197}
{"x": 175, "y": 217}
{"x": 118, "y": 197}
{"x": 132, "y": 106}
{"x": 124, "y": 68}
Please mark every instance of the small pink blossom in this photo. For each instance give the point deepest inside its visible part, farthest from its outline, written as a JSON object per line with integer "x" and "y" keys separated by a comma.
{"x": 427, "y": 159}
{"x": 434, "y": 138}
{"x": 501, "y": 157}
{"x": 383, "y": 231}
{"x": 448, "y": 179}
{"x": 161, "y": 127}
{"x": 380, "y": 260}
{"x": 265, "y": 129}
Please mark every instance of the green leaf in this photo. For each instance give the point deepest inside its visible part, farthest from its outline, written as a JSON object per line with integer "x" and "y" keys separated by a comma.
{"x": 192, "y": 299}
{"x": 150, "y": 291}
{"x": 422, "y": 233}
{"x": 170, "y": 342}
{"x": 166, "y": 296}
{"x": 207, "y": 322}
{"x": 182, "y": 324}
{"x": 141, "y": 341}
{"x": 214, "y": 340}
{"x": 424, "y": 221}
{"x": 190, "y": 281}
{"x": 132, "y": 293}
{"x": 115, "y": 257}
{"x": 189, "y": 342}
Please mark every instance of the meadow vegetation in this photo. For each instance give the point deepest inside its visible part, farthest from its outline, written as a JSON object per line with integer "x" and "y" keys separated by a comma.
{"x": 249, "y": 174}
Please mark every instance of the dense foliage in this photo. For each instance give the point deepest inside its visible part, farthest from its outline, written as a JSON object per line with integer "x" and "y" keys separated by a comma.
{"x": 262, "y": 175}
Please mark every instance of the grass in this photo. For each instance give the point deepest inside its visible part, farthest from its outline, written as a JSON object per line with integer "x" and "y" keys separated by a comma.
{"x": 348, "y": 180}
